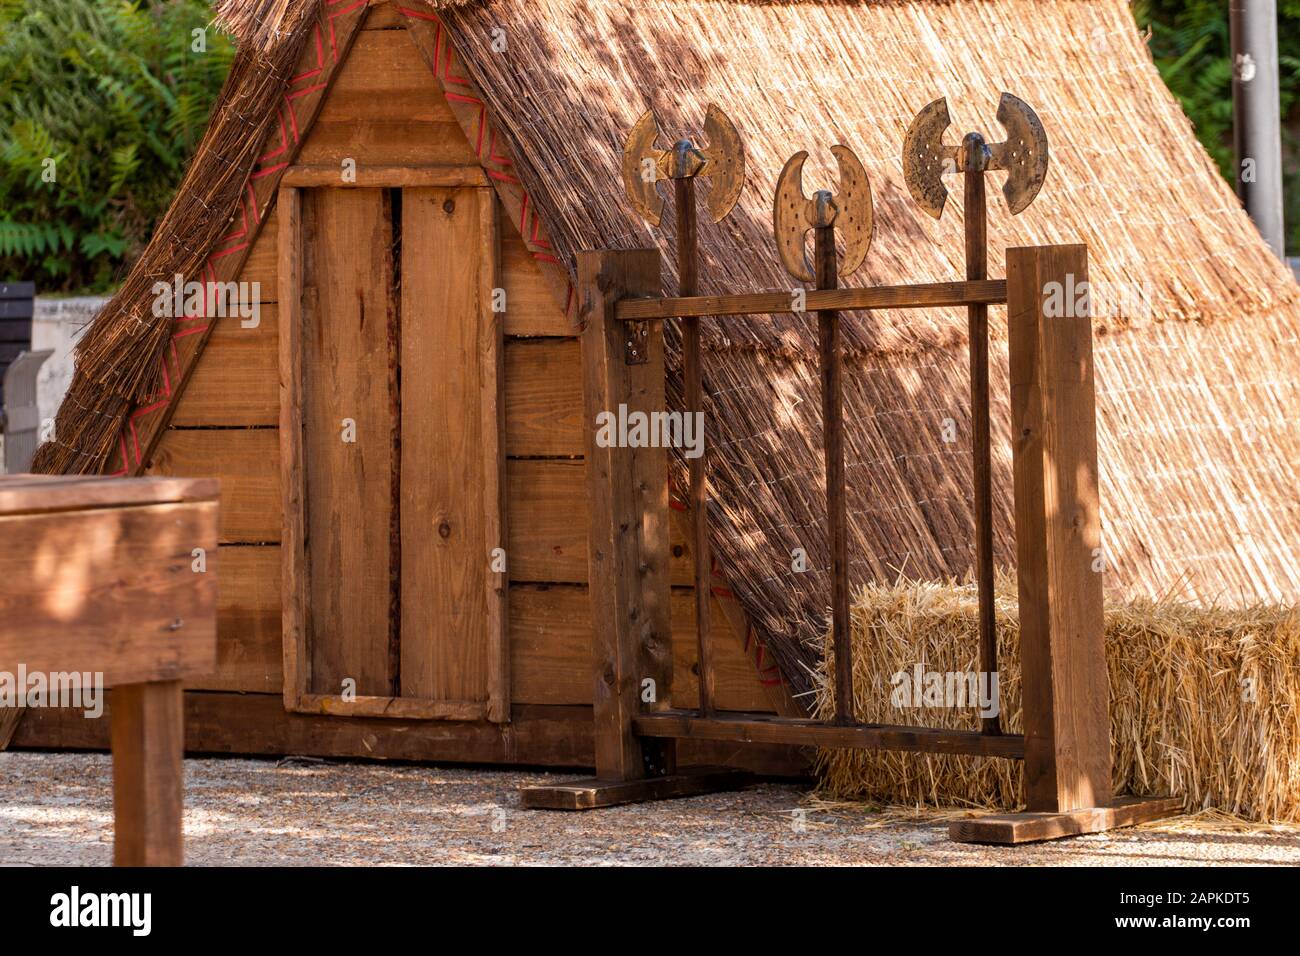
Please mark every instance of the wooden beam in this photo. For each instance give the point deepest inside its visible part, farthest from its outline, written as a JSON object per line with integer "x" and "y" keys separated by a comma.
{"x": 1058, "y": 530}
{"x": 927, "y": 295}
{"x": 1015, "y": 828}
{"x": 392, "y": 177}
{"x": 403, "y": 708}
{"x": 233, "y": 723}
{"x": 594, "y": 793}
{"x": 757, "y": 728}
{"x": 627, "y": 490}
{"x": 147, "y": 777}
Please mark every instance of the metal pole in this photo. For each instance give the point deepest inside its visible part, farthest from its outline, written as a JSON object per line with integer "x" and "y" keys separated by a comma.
{"x": 1257, "y": 116}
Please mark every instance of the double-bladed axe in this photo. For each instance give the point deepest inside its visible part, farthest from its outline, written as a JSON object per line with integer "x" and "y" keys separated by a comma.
{"x": 722, "y": 162}
{"x": 848, "y": 212}
{"x": 926, "y": 160}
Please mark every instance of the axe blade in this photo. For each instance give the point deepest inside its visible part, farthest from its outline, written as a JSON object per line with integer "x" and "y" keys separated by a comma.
{"x": 1024, "y": 153}
{"x": 724, "y": 163}
{"x": 855, "y": 218}
{"x": 791, "y": 219}
{"x": 640, "y": 187}
{"x": 926, "y": 159}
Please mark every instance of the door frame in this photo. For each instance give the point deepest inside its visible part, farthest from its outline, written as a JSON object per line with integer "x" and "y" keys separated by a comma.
{"x": 295, "y": 567}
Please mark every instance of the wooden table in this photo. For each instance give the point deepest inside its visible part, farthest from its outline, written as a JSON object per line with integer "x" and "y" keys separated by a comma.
{"x": 117, "y": 577}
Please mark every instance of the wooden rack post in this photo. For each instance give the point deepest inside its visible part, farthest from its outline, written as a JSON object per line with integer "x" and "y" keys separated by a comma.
{"x": 627, "y": 491}
{"x": 1065, "y": 691}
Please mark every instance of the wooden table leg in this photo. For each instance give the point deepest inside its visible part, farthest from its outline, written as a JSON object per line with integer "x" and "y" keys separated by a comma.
{"x": 146, "y": 723}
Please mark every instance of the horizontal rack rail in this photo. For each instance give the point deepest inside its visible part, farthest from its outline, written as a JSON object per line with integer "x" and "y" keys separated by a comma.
{"x": 929, "y": 295}
{"x": 806, "y": 732}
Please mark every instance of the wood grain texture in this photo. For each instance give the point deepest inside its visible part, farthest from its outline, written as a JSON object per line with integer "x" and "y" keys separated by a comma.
{"x": 385, "y": 109}
{"x": 110, "y": 590}
{"x": 370, "y": 176}
{"x": 594, "y": 793}
{"x": 550, "y": 639}
{"x": 345, "y": 358}
{"x": 492, "y": 406}
{"x": 445, "y": 550}
{"x": 751, "y": 728}
{"x": 630, "y": 633}
{"x": 543, "y": 379}
{"x": 245, "y": 461}
{"x": 37, "y": 494}
{"x": 147, "y": 778}
{"x": 295, "y": 604}
{"x": 530, "y": 301}
{"x": 262, "y": 262}
{"x": 259, "y": 724}
{"x": 1058, "y": 536}
{"x": 236, "y": 381}
{"x": 916, "y": 296}
{"x": 1014, "y": 828}
{"x": 249, "y": 655}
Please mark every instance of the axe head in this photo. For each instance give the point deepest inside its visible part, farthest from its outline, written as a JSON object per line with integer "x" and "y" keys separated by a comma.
{"x": 926, "y": 159}
{"x": 722, "y": 162}
{"x": 849, "y": 210}
{"x": 1024, "y": 153}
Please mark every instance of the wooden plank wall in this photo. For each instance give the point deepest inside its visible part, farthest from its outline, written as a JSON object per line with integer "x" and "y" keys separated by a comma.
{"x": 385, "y": 109}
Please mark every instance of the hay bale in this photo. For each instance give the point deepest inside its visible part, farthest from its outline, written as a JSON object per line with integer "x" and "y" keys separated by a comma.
{"x": 1204, "y": 703}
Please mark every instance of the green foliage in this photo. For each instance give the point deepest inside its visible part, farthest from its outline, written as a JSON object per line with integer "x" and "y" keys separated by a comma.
{"x": 1193, "y": 51}
{"x": 101, "y": 105}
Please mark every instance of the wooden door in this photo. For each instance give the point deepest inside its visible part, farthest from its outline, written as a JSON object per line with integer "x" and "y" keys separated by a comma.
{"x": 391, "y": 444}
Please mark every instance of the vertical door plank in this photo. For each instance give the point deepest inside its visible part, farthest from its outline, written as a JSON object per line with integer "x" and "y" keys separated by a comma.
{"x": 492, "y": 403}
{"x": 294, "y": 604}
{"x": 346, "y": 347}
{"x": 445, "y": 550}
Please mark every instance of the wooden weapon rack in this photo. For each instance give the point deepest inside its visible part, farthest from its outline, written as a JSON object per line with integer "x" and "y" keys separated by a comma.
{"x": 1066, "y": 742}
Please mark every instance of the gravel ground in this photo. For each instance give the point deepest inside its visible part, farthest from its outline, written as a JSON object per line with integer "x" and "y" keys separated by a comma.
{"x": 57, "y": 809}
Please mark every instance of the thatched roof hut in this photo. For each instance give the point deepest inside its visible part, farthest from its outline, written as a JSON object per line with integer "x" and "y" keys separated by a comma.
{"x": 1196, "y": 322}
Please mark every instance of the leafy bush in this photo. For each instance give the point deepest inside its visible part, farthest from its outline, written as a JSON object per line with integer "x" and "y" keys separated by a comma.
{"x": 103, "y": 103}
{"x": 1193, "y": 50}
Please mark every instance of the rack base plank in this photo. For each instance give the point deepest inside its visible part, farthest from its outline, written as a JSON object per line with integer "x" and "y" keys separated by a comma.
{"x": 593, "y": 793}
{"x": 759, "y": 728}
{"x": 1013, "y": 828}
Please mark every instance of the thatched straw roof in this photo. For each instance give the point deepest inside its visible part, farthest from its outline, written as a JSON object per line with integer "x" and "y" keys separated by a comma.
{"x": 1199, "y": 433}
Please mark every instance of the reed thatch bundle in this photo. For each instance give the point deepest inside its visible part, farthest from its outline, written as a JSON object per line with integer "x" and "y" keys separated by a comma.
{"x": 1204, "y": 703}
